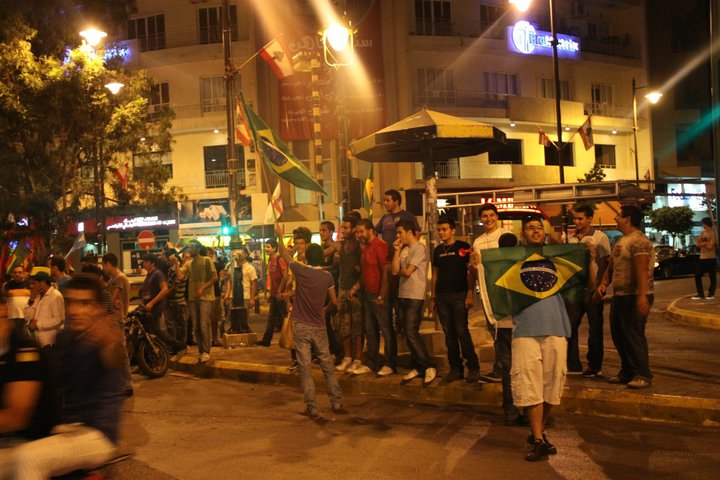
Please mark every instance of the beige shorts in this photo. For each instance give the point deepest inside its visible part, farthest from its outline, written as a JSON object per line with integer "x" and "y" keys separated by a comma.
{"x": 538, "y": 370}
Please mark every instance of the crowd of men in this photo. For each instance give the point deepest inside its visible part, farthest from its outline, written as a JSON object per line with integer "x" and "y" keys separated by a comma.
{"x": 64, "y": 369}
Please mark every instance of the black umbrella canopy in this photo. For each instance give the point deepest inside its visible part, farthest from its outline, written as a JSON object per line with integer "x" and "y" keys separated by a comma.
{"x": 430, "y": 133}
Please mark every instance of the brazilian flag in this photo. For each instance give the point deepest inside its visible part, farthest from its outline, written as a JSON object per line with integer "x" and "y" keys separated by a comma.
{"x": 276, "y": 155}
{"x": 516, "y": 277}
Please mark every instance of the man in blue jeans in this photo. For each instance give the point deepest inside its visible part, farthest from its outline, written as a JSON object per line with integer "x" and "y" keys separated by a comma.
{"x": 410, "y": 263}
{"x": 312, "y": 286}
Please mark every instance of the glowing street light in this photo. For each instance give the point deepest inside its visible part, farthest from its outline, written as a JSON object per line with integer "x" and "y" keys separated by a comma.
{"x": 93, "y": 36}
{"x": 114, "y": 87}
{"x": 653, "y": 97}
{"x": 338, "y": 44}
{"x": 521, "y": 5}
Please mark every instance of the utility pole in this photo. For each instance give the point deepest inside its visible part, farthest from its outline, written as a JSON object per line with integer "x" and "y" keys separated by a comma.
{"x": 232, "y": 160}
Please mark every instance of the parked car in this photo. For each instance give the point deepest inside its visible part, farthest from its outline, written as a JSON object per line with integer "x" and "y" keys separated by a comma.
{"x": 671, "y": 262}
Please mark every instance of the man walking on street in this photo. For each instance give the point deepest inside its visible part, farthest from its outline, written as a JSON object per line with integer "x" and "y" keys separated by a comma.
{"x": 312, "y": 286}
{"x": 707, "y": 243}
{"x": 451, "y": 297}
{"x": 631, "y": 270}
{"x": 410, "y": 262}
{"x": 375, "y": 263}
{"x": 201, "y": 275}
{"x": 599, "y": 246}
{"x": 276, "y": 273}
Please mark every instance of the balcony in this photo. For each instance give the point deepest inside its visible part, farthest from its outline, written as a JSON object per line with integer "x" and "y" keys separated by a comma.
{"x": 221, "y": 178}
{"x": 461, "y": 98}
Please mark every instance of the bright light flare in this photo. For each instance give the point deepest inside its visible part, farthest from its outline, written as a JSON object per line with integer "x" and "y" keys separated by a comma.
{"x": 521, "y": 5}
{"x": 654, "y": 97}
{"x": 338, "y": 36}
{"x": 93, "y": 36}
{"x": 114, "y": 87}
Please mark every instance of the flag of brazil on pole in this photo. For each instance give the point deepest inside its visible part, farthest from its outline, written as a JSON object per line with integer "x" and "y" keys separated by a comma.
{"x": 277, "y": 156}
{"x": 517, "y": 277}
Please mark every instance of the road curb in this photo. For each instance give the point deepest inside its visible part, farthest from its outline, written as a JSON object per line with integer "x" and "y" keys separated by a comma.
{"x": 690, "y": 317}
{"x": 694, "y": 411}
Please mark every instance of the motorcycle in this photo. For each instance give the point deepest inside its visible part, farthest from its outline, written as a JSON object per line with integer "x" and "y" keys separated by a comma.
{"x": 144, "y": 348}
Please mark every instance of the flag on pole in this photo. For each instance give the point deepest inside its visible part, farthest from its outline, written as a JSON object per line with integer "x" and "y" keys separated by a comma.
{"x": 513, "y": 278}
{"x": 586, "y": 134}
{"x": 18, "y": 257}
{"x": 123, "y": 175}
{"x": 277, "y": 156}
{"x": 275, "y": 203}
{"x": 542, "y": 138}
{"x": 242, "y": 131}
{"x": 277, "y": 55}
{"x": 368, "y": 193}
{"x": 79, "y": 244}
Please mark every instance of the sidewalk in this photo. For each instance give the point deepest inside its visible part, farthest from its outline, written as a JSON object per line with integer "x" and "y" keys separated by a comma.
{"x": 683, "y": 358}
{"x": 702, "y": 313}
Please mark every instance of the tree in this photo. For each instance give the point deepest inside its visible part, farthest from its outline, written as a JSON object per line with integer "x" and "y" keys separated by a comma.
{"x": 673, "y": 220}
{"x": 60, "y": 128}
{"x": 595, "y": 174}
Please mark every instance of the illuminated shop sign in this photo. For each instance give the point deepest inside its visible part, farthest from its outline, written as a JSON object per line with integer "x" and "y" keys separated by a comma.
{"x": 132, "y": 223}
{"x": 524, "y": 38}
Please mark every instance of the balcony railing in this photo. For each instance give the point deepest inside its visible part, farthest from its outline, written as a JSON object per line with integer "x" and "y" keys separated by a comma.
{"x": 221, "y": 178}
{"x": 606, "y": 110}
{"x": 447, "y": 170}
{"x": 462, "y": 98}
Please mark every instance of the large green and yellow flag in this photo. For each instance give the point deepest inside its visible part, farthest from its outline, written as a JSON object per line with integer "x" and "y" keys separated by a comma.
{"x": 514, "y": 278}
{"x": 18, "y": 257}
{"x": 276, "y": 155}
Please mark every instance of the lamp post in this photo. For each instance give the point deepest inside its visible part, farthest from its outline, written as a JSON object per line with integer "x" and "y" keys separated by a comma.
{"x": 232, "y": 160}
{"x": 339, "y": 49}
{"x": 523, "y": 5}
{"x": 653, "y": 97}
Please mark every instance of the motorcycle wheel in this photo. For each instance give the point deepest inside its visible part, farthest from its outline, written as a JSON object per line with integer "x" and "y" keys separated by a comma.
{"x": 153, "y": 364}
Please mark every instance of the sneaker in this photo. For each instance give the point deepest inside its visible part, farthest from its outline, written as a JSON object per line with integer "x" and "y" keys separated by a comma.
{"x": 617, "y": 379}
{"x": 354, "y": 366}
{"x": 344, "y": 364}
{"x": 430, "y": 375}
{"x": 590, "y": 372}
{"x": 490, "y": 378}
{"x": 310, "y": 412}
{"x": 362, "y": 370}
{"x": 575, "y": 371}
{"x": 550, "y": 447}
{"x": 539, "y": 451}
{"x": 638, "y": 382}
{"x": 263, "y": 343}
{"x": 411, "y": 375}
{"x": 697, "y": 298}
{"x": 710, "y": 297}
{"x": 472, "y": 377}
{"x": 205, "y": 357}
{"x": 452, "y": 376}
{"x": 385, "y": 371}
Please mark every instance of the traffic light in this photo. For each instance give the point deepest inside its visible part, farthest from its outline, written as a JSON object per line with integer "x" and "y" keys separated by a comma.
{"x": 225, "y": 226}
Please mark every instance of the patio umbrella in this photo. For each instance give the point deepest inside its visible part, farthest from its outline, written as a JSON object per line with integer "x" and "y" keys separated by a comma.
{"x": 428, "y": 136}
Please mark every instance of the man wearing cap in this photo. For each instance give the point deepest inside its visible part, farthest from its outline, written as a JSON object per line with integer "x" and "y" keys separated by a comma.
{"x": 17, "y": 293}
{"x": 45, "y": 312}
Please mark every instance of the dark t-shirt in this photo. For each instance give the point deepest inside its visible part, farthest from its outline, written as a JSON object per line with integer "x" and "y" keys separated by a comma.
{"x": 23, "y": 362}
{"x": 452, "y": 267}
{"x": 91, "y": 394}
{"x": 151, "y": 288}
{"x": 349, "y": 263}
{"x": 386, "y": 228}
{"x": 311, "y": 287}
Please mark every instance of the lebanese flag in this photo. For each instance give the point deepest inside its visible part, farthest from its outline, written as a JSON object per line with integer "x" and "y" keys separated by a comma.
{"x": 277, "y": 55}
{"x": 275, "y": 203}
{"x": 123, "y": 176}
{"x": 242, "y": 131}
{"x": 542, "y": 138}
{"x": 586, "y": 134}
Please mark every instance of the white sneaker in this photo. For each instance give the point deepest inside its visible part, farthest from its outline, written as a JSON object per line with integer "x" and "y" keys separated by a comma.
{"x": 430, "y": 375}
{"x": 205, "y": 357}
{"x": 354, "y": 366}
{"x": 361, "y": 370}
{"x": 410, "y": 375}
{"x": 711, "y": 297}
{"x": 697, "y": 298}
{"x": 346, "y": 361}
{"x": 385, "y": 371}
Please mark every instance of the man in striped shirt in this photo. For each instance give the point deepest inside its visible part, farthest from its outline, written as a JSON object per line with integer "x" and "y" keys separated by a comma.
{"x": 176, "y": 310}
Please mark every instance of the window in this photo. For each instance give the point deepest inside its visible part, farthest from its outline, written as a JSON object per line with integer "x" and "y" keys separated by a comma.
{"x": 148, "y": 159}
{"x": 160, "y": 94}
{"x": 216, "y": 171}
{"x": 546, "y": 88}
{"x": 150, "y": 31}
{"x": 449, "y": 168}
{"x": 489, "y": 15}
{"x": 212, "y": 94}
{"x": 432, "y": 17}
{"x": 510, "y": 153}
{"x": 605, "y": 156}
{"x": 567, "y": 155}
{"x": 301, "y": 150}
{"x": 498, "y": 86}
{"x": 598, "y": 30}
{"x": 435, "y": 86}
{"x": 601, "y": 99}
{"x": 210, "y": 24}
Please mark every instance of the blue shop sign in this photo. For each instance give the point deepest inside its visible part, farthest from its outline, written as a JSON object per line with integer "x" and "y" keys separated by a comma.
{"x": 524, "y": 38}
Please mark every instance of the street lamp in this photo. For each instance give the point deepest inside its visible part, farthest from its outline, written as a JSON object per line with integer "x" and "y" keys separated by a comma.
{"x": 114, "y": 87}
{"x": 653, "y": 97}
{"x": 93, "y": 36}
{"x": 522, "y": 6}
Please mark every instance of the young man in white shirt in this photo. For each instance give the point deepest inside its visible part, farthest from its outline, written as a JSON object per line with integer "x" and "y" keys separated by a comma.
{"x": 45, "y": 312}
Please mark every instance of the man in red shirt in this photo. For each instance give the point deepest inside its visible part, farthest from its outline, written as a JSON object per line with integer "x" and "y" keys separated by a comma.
{"x": 374, "y": 264}
{"x": 276, "y": 271}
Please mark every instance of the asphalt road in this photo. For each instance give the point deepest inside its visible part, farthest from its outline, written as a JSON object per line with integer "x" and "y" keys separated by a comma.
{"x": 180, "y": 427}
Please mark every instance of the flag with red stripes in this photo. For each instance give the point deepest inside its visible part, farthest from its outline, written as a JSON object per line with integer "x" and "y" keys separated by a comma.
{"x": 242, "y": 131}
